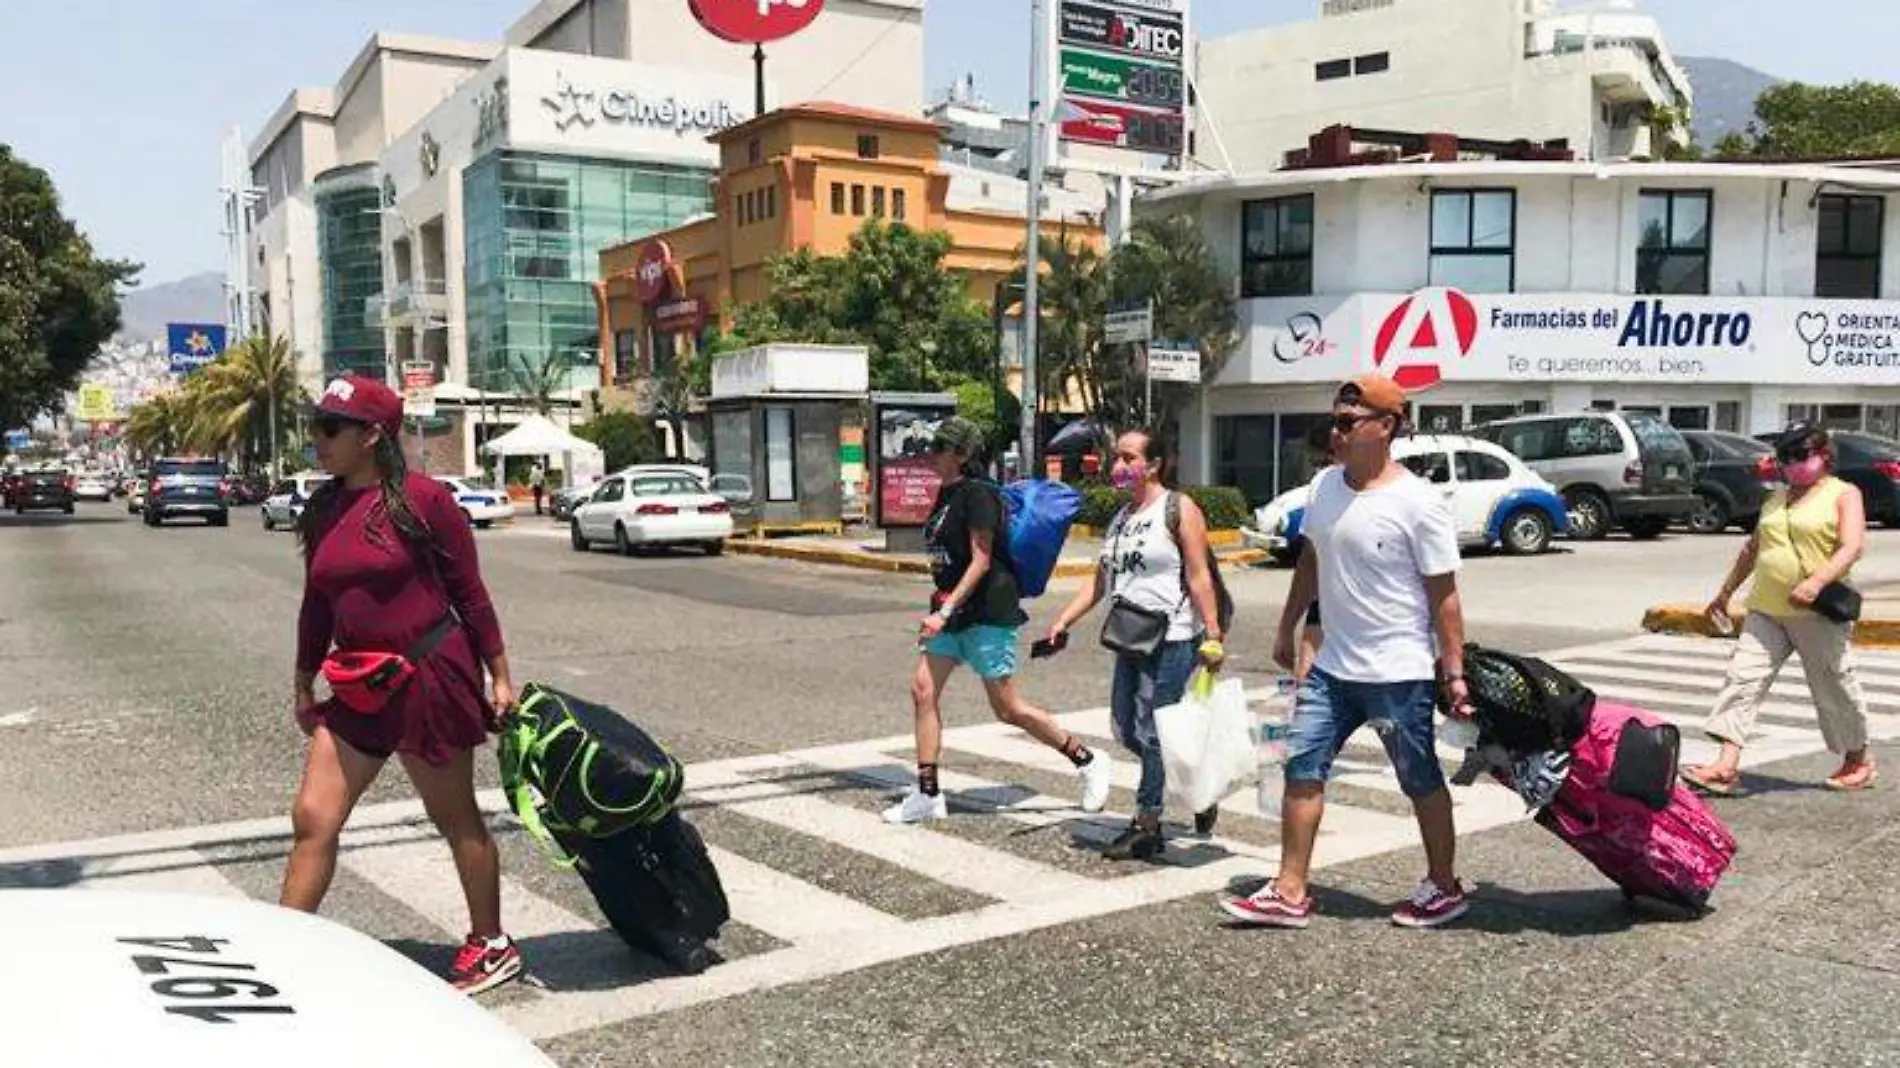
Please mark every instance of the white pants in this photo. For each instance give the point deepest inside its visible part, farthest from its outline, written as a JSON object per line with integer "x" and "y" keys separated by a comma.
{"x": 1827, "y": 658}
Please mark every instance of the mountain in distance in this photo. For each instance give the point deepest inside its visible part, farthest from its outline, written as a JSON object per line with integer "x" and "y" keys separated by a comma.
{"x": 1725, "y": 93}
{"x": 198, "y": 298}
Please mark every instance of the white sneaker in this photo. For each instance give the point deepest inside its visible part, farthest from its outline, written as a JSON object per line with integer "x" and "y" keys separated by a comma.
{"x": 1094, "y": 777}
{"x": 918, "y": 807}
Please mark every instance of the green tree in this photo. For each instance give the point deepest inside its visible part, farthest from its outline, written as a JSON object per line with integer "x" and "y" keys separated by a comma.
{"x": 1166, "y": 260}
{"x": 231, "y": 400}
{"x": 158, "y": 427}
{"x": 1073, "y": 297}
{"x": 58, "y": 302}
{"x": 890, "y": 292}
{"x": 1798, "y": 121}
{"x": 624, "y": 437}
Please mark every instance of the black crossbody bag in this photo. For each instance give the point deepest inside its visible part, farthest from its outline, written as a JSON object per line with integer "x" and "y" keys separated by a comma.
{"x": 1131, "y": 630}
{"x": 1837, "y": 600}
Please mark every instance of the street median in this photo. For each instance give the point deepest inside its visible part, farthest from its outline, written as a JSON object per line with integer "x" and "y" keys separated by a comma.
{"x": 1882, "y": 632}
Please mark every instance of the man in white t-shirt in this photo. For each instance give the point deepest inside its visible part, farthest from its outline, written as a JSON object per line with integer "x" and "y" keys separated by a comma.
{"x": 1382, "y": 559}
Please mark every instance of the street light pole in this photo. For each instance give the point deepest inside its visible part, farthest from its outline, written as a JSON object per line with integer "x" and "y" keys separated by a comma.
{"x": 1038, "y": 15}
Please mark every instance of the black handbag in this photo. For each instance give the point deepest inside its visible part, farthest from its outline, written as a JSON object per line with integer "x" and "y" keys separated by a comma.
{"x": 1133, "y": 631}
{"x": 1837, "y": 600}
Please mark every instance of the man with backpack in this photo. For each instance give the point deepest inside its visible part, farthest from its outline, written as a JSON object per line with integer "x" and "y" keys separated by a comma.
{"x": 1382, "y": 558}
{"x": 975, "y": 619}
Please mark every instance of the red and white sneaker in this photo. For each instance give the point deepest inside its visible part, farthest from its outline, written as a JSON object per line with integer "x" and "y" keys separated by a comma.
{"x": 1431, "y": 906}
{"x": 1266, "y": 908}
{"x": 484, "y": 964}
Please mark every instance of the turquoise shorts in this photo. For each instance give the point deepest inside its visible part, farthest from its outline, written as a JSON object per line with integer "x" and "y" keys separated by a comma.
{"x": 988, "y": 649}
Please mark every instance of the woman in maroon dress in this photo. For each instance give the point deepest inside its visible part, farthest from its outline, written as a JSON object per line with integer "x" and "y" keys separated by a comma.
{"x": 390, "y": 567}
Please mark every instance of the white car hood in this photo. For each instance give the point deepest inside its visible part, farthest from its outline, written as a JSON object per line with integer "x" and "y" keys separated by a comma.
{"x": 73, "y": 994}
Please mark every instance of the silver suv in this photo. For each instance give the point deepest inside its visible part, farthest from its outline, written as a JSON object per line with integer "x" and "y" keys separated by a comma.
{"x": 1614, "y": 469}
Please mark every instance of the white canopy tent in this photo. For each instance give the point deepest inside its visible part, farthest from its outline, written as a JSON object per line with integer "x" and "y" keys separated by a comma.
{"x": 538, "y": 436}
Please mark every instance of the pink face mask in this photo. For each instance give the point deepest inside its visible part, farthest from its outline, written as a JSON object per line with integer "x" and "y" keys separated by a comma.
{"x": 1124, "y": 476}
{"x": 1805, "y": 472}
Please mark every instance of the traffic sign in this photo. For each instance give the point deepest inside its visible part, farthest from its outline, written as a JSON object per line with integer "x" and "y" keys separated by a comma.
{"x": 1174, "y": 362}
{"x": 418, "y": 390}
{"x": 1129, "y": 326}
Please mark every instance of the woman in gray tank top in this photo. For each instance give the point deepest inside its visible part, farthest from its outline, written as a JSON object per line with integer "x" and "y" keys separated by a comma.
{"x": 1156, "y": 559}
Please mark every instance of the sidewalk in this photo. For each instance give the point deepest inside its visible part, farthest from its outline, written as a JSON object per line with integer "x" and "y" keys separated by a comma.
{"x": 866, "y": 550}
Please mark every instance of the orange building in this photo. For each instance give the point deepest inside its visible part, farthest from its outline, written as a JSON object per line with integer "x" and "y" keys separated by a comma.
{"x": 807, "y": 176}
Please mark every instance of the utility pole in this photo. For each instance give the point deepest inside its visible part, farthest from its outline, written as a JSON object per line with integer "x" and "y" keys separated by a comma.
{"x": 1038, "y": 45}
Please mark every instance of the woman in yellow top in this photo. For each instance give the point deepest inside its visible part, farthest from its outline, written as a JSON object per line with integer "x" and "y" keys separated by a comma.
{"x": 1809, "y": 535}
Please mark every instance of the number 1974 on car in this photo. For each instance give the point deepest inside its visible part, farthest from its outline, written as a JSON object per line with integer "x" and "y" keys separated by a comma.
{"x": 204, "y": 989}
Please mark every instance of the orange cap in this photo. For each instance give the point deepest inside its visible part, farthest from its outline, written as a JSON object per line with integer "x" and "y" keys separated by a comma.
{"x": 1373, "y": 392}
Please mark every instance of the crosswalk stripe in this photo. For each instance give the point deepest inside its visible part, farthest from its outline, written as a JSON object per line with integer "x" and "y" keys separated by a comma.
{"x": 791, "y": 910}
{"x": 413, "y": 866}
{"x": 1792, "y": 689}
{"x": 172, "y": 871}
{"x": 1791, "y": 673}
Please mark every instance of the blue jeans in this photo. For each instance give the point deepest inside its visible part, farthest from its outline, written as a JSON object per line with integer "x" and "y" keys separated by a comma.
{"x": 1328, "y": 710}
{"x": 1141, "y": 686}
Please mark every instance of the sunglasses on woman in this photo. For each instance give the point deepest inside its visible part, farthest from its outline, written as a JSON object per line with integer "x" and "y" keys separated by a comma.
{"x": 330, "y": 426}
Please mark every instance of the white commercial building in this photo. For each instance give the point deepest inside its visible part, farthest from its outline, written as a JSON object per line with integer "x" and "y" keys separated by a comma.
{"x": 446, "y": 202}
{"x": 1724, "y": 296}
{"x": 1591, "y": 75}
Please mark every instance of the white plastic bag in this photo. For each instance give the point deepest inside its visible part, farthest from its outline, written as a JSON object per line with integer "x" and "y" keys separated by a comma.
{"x": 1206, "y": 741}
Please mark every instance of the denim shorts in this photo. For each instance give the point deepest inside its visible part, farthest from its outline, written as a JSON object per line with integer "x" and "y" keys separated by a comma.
{"x": 989, "y": 650}
{"x": 1328, "y": 710}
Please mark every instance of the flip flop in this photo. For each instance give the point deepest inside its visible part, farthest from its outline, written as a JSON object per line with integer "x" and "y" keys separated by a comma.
{"x": 1833, "y": 782}
{"x": 1696, "y": 777}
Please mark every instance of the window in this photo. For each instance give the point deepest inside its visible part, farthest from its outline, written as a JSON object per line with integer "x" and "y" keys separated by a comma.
{"x": 1430, "y": 466}
{"x": 1332, "y": 70}
{"x": 1589, "y": 437}
{"x": 837, "y": 198}
{"x": 1440, "y": 418}
{"x": 745, "y": 209}
{"x": 1276, "y": 247}
{"x": 609, "y": 491}
{"x": 1728, "y": 416}
{"x": 1689, "y": 417}
{"x": 1672, "y": 252}
{"x": 877, "y": 201}
{"x": 1529, "y": 441}
{"x": 1481, "y": 467}
{"x": 897, "y": 204}
{"x": 1376, "y": 63}
{"x": 867, "y": 146}
{"x": 1847, "y": 247}
{"x": 752, "y": 151}
{"x": 1490, "y": 413}
{"x": 1474, "y": 235}
{"x": 781, "y": 479}
{"x": 857, "y": 200}
{"x": 771, "y": 202}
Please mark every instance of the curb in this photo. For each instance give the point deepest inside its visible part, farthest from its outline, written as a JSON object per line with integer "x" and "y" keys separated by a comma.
{"x": 1219, "y": 539}
{"x": 865, "y": 561}
{"x": 1688, "y": 619}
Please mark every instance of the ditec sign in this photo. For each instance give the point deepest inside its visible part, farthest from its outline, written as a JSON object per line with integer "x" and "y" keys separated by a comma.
{"x": 569, "y": 104}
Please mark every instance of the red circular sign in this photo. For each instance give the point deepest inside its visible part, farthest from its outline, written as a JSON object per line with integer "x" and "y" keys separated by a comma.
{"x": 755, "y": 21}
{"x": 650, "y": 271}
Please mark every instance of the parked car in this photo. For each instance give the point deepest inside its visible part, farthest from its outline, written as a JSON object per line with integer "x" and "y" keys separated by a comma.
{"x": 1872, "y": 464}
{"x": 1730, "y": 484}
{"x": 285, "y": 504}
{"x": 569, "y": 498}
{"x": 187, "y": 486}
{"x": 641, "y": 510}
{"x": 48, "y": 490}
{"x": 92, "y": 486}
{"x": 1495, "y": 499}
{"x": 482, "y": 504}
{"x": 1613, "y": 469}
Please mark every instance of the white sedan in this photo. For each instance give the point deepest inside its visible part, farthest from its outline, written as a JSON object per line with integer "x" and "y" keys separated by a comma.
{"x": 640, "y": 510}
{"x": 92, "y": 487}
{"x": 1495, "y": 499}
{"x": 482, "y": 505}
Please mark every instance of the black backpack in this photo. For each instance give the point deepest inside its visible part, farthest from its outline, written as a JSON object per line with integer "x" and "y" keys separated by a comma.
{"x": 1223, "y": 601}
{"x": 1523, "y": 703}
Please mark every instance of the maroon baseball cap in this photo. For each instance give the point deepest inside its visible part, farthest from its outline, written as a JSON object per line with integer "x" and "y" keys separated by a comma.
{"x": 363, "y": 400}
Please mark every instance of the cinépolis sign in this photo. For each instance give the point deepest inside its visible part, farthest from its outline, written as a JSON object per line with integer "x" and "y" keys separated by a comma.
{"x": 584, "y": 106}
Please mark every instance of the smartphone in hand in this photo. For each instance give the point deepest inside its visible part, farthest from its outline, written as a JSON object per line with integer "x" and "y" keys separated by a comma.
{"x": 1045, "y": 647}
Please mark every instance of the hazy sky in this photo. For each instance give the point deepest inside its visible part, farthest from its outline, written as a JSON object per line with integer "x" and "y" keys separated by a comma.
{"x": 128, "y": 118}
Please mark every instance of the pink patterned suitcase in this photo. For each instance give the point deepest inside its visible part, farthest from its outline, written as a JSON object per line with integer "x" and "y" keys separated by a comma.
{"x": 1669, "y": 846}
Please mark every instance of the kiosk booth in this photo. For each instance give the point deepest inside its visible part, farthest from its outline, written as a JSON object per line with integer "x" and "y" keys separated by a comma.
{"x": 776, "y": 413}
{"x": 905, "y": 481}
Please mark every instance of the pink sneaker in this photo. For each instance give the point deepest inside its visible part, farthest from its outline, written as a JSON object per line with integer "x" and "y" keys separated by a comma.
{"x": 1266, "y": 908}
{"x": 1431, "y": 906}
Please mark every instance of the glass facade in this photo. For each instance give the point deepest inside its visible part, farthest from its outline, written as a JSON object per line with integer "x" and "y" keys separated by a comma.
{"x": 349, "y": 237}
{"x": 535, "y": 227}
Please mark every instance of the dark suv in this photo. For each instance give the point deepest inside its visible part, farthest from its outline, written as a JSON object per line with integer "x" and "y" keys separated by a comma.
{"x": 43, "y": 491}
{"x": 1730, "y": 484}
{"x": 183, "y": 487}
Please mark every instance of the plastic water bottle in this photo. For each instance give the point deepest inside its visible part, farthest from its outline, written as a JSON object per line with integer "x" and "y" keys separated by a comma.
{"x": 1270, "y": 744}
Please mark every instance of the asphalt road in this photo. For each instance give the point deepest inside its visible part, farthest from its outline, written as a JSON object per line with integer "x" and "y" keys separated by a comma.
{"x": 147, "y": 690}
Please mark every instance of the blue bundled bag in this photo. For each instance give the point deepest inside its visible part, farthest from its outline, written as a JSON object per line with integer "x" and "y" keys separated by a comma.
{"x": 1040, "y": 513}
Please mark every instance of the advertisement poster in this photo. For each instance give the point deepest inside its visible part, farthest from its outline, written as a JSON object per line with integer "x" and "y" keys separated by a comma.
{"x": 907, "y": 483}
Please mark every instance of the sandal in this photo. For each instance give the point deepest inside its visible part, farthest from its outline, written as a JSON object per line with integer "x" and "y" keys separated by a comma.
{"x": 1847, "y": 780}
{"x": 1698, "y": 777}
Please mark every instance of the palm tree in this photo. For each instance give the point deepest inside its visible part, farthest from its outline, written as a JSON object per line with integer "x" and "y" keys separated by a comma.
{"x": 246, "y": 400}
{"x": 1166, "y": 260}
{"x": 1073, "y": 300}
{"x": 537, "y": 381}
{"x": 156, "y": 427}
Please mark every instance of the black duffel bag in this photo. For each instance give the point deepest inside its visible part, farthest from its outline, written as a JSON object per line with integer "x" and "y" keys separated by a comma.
{"x": 1525, "y": 704}
{"x": 576, "y": 767}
